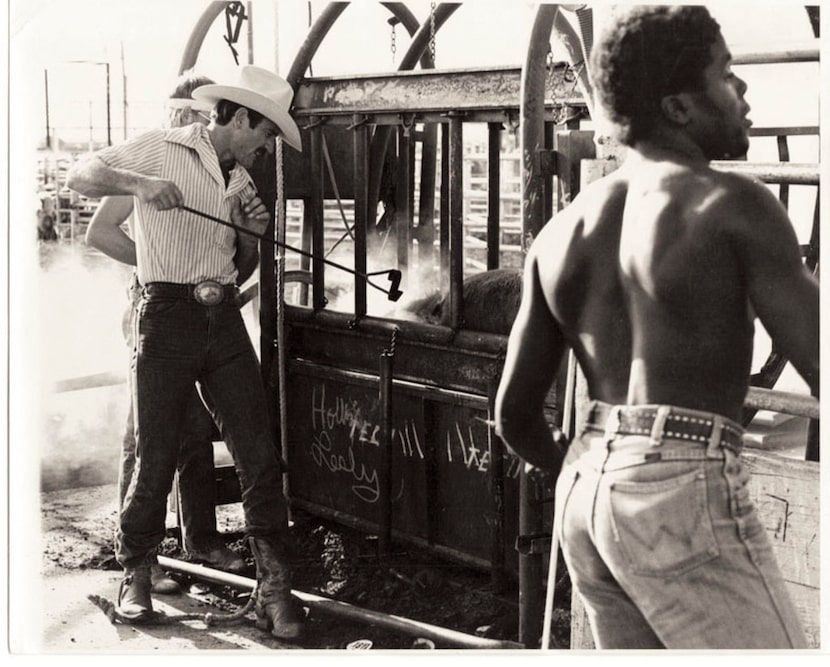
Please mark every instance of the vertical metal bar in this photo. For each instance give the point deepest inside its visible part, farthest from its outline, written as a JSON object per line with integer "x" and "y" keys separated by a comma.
{"x": 426, "y": 205}
{"x": 496, "y": 473}
{"x": 109, "y": 116}
{"x": 266, "y": 184}
{"x": 812, "y": 451}
{"x": 444, "y": 223}
{"x": 305, "y": 260}
{"x": 317, "y": 219}
{"x": 249, "y": 10}
{"x": 124, "y": 90}
{"x": 493, "y": 194}
{"x": 456, "y": 173}
{"x": 532, "y": 110}
{"x": 46, "y": 90}
{"x": 361, "y": 211}
{"x": 403, "y": 213}
{"x": 783, "y": 156}
{"x": 385, "y": 401}
{"x": 547, "y": 182}
{"x": 531, "y": 571}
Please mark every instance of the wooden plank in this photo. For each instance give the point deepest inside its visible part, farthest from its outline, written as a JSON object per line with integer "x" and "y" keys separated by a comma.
{"x": 786, "y": 493}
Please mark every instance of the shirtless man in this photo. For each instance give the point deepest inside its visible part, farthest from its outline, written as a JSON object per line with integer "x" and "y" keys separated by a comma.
{"x": 654, "y": 276}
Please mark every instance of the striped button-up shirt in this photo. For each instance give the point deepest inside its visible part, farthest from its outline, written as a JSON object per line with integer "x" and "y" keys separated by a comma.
{"x": 177, "y": 246}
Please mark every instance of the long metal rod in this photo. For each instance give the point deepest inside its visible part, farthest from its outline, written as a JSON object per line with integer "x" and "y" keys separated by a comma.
{"x": 345, "y": 610}
{"x": 794, "y": 173}
{"x": 394, "y": 293}
{"x": 403, "y": 213}
{"x": 799, "y": 405}
{"x": 360, "y": 157}
{"x": 456, "y": 222}
{"x": 790, "y": 52}
{"x": 493, "y": 194}
{"x": 385, "y": 400}
{"x": 317, "y": 230}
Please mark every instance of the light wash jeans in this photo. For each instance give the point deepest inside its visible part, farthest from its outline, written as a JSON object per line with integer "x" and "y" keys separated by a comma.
{"x": 669, "y": 553}
{"x": 180, "y": 342}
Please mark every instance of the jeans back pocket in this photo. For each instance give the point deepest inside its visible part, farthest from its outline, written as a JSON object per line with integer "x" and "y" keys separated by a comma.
{"x": 663, "y": 527}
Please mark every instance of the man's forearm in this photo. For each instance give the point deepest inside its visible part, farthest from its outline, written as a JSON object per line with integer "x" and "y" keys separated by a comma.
{"x": 92, "y": 177}
{"x": 113, "y": 242}
{"x": 246, "y": 258}
{"x": 532, "y": 440}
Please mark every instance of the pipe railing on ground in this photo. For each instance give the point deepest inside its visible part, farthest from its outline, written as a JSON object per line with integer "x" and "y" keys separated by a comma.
{"x": 344, "y": 610}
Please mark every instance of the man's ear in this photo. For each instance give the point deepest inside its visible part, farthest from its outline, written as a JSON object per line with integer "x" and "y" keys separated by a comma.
{"x": 676, "y": 108}
{"x": 240, "y": 118}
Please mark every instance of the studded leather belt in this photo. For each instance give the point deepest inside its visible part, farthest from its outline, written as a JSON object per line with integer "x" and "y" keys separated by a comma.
{"x": 666, "y": 422}
{"x": 207, "y": 292}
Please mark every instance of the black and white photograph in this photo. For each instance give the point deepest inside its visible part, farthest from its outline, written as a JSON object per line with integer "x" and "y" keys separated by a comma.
{"x": 363, "y": 328}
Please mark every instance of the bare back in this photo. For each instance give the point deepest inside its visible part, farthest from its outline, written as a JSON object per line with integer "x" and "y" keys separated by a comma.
{"x": 699, "y": 249}
{"x": 576, "y": 255}
{"x": 653, "y": 276}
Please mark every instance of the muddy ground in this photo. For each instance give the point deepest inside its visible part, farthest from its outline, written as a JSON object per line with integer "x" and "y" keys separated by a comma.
{"x": 331, "y": 561}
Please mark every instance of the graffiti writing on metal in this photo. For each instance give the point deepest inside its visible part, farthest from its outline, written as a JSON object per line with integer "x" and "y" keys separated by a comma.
{"x": 332, "y": 417}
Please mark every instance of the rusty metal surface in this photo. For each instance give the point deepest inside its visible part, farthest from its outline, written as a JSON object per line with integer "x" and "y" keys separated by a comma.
{"x": 427, "y": 91}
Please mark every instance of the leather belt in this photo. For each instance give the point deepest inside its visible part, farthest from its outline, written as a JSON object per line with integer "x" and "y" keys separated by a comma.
{"x": 661, "y": 422}
{"x": 207, "y": 292}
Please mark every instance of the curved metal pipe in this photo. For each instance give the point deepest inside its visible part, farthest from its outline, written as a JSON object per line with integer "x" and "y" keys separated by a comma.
{"x": 578, "y": 52}
{"x": 312, "y": 42}
{"x": 532, "y": 119}
{"x": 346, "y": 610}
{"x": 197, "y": 37}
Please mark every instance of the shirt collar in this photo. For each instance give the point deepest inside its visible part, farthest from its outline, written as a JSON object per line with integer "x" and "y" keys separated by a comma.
{"x": 196, "y": 137}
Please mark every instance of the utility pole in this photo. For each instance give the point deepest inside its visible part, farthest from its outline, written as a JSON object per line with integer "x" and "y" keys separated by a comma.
{"x": 124, "y": 88}
{"x": 250, "y": 34}
{"x": 109, "y": 118}
{"x": 46, "y": 87}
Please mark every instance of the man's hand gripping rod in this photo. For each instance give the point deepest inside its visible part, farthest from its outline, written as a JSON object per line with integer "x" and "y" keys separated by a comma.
{"x": 394, "y": 275}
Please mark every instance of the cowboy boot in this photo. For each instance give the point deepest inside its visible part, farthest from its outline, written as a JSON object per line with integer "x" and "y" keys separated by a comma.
{"x": 134, "y": 601}
{"x": 161, "y": 583}
{"x": 275, "y": 609}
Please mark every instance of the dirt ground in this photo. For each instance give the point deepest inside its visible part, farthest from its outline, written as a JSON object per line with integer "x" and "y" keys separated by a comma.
{"x": 331, "y": 561}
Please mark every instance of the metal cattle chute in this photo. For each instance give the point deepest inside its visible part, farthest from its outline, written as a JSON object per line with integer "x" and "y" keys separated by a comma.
{"x": 386, "y": 422}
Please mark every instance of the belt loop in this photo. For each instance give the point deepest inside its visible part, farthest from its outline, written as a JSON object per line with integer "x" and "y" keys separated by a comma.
{"x": 612, "y": 424}
{"x": 713, "y": 448}
{"x": 659, "y": 425}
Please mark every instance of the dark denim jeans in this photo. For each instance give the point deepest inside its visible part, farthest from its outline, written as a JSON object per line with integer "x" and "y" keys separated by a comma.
{"x": 180, "y": 342}
{"x": 197, "y": 478}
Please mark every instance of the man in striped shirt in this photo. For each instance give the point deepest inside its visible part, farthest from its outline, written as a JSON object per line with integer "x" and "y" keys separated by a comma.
{"x": 196, "y": 487}
{"x": 189, "y": 328}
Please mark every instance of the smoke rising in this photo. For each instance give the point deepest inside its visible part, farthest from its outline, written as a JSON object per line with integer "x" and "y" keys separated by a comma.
{"x": 80, "y": 297}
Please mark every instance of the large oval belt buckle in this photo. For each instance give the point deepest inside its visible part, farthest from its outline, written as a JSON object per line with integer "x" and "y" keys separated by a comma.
{"x": 209, "y": 293}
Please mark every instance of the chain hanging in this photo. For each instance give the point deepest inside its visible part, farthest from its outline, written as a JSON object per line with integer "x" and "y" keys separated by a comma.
{"x": 392, "y": 342}
{"x": 392, "y": 46}
{"x": 432, "y": 32}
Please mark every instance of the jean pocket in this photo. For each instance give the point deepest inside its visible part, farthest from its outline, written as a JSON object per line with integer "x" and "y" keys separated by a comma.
{"x": 663, "y": 527}
{"x": 156, "y": 306}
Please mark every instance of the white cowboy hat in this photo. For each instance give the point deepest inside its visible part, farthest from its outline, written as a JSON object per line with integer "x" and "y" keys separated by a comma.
{"x": 262, "y": 91}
